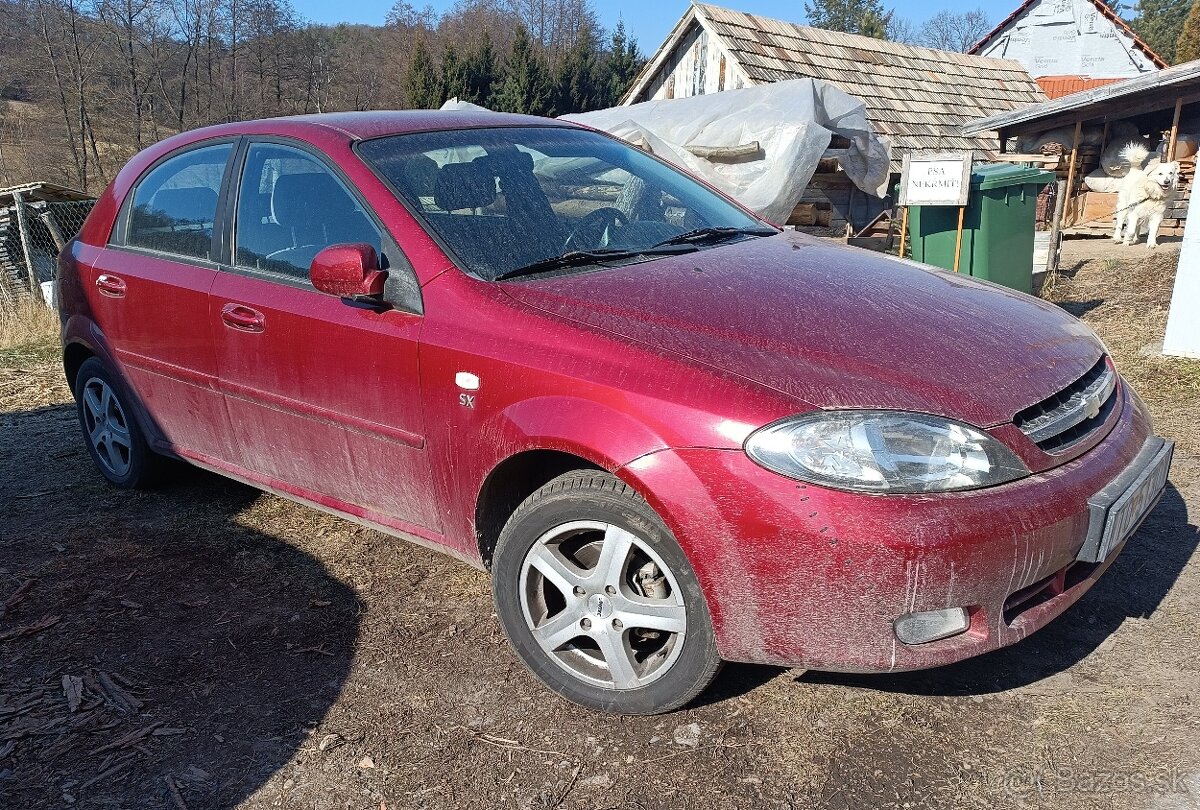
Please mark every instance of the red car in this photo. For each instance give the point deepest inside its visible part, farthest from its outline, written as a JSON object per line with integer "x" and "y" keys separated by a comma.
{"x": 673, "y": 433}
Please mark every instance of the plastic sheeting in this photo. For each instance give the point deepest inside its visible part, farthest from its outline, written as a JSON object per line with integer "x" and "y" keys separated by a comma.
{"x": 791, "y": 121}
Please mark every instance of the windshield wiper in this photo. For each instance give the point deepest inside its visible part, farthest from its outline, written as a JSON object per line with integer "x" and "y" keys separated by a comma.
{"x": 715, "y": 234}
{"x": 579, "y": 258}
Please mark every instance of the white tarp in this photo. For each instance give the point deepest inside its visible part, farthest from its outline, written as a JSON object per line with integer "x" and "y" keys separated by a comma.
{"x": 792, "y": 121}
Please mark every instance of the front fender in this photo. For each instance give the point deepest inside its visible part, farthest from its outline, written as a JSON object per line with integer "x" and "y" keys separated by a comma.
{"x": 603, "y": 435}
{"x": 590, "y": 430}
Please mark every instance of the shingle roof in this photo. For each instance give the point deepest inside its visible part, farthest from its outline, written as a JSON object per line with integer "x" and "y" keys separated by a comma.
{"x": 918, "y": 98}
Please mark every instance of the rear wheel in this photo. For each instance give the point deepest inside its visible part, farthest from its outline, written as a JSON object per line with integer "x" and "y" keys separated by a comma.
{"x": 599, "y": 600}
{"x": 112, "y": 435}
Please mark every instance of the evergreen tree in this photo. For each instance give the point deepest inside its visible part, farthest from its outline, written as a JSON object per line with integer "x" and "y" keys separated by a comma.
{"x": 526, "y": 87}
{"x": 454, "y": 74}
{"x": 1187, "y": 46}
{"x": 620, "y": 68}
{"x": 866, "y": 17}
{"x": 422, "y": 87}
{"x": 578, "y": 82}
{"x": 480, "y": 74}
{"x": 1159, "y": 22}
{"x": 874, "y": 26}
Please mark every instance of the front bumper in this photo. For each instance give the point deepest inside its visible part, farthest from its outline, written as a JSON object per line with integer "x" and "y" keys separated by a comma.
{"x": 800, "y": 575}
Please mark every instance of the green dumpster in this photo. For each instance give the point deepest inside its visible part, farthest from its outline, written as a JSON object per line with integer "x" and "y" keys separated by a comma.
{"x": 997, "y": 240}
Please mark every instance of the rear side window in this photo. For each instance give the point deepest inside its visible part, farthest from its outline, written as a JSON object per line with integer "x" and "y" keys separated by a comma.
{"x": 175, "y": 204}
{"x": 290, "y": 207}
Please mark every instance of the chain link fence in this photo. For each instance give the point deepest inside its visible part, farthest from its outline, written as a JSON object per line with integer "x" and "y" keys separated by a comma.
{"x": 32, "y": 232}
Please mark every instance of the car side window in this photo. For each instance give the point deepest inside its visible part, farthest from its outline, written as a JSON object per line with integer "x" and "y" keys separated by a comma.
{"x": 290, "y": 207}
{"x": 175, "y": 204}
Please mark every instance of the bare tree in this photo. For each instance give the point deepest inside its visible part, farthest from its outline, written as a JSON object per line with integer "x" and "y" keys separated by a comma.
{"x": 127, "y": 23}
{"x": 556, "y": 25}
{"x": 955, "y": 31}
{"x": 949, "y": 30}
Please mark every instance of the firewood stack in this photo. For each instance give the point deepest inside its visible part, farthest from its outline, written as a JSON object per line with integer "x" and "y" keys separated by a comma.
{"x": 1177, "y": 213}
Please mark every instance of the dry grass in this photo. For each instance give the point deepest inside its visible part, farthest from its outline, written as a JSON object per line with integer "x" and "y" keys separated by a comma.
{"x": 29, "y": 331}
{"x": 1126, "y": 301}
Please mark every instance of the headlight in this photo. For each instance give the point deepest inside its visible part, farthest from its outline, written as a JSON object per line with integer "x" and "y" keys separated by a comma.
{"x": 883, "y": 451}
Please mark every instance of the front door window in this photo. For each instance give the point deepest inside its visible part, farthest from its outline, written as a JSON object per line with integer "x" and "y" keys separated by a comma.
{"x": 290, "y": 207}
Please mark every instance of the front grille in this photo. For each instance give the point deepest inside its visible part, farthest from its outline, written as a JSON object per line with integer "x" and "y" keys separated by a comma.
{"x": 1071, "y": 415}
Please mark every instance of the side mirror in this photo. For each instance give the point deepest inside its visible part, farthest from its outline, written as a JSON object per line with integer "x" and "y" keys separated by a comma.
{"x": 348, "y": 271}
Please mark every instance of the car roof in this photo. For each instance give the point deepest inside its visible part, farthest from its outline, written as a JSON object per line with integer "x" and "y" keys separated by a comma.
{"x": 378, "y": 123}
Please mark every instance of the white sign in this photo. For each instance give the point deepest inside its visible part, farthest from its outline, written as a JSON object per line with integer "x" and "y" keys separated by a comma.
{"x": 935, "y": 180}
{"x": 1183, "y": 322}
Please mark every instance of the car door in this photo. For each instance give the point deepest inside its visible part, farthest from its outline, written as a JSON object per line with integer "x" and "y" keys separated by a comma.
{"x": 149, "y": 292}
{"x": 323, "y": 394}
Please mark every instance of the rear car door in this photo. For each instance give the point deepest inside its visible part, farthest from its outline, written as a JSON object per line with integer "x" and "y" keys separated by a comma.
{"x": 149, "y": 294}
{"x": 323, "y": 395}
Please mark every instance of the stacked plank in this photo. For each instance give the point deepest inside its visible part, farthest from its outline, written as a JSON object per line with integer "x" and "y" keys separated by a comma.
{"x": 12, "y": 260}
{"x": 1059, "y": 161}
{"x": 1177, "y": 213}
{"x": 826, "y": 199}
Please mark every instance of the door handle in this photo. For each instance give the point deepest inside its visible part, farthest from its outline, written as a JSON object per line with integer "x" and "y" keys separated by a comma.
{"x": 111, "y": 286}
{"x": 242, "y": 318}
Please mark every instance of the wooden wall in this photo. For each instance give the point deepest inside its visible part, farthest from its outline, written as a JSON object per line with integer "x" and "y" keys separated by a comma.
{"x": 698, "y": 66}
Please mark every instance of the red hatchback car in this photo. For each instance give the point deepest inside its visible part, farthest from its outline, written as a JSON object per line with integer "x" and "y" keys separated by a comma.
{"x": 673, "y": 433}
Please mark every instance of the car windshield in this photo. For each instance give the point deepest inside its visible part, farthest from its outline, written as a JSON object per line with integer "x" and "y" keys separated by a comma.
{"x": 519, "y": 200}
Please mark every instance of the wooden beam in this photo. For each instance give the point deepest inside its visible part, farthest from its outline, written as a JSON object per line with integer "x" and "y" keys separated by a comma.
{"x": 1060, "y": 187}
{"x": 1174, "y": 138}
{"x": 1074, "y": 159}
{"x": 1111, "y": 110}
{"x": 962, "y": 210}
{"x": 55, "y": 233}
{"x": 23, "y": 228}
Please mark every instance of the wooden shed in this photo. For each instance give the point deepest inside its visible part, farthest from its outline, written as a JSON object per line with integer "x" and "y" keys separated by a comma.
{"x": 1162, "y": 105}
{"x": 36, "y": 220}
{"x": 918, "y": 99}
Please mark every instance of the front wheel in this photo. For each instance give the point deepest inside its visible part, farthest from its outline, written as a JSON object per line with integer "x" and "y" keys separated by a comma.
{"x": 599, "y": 600}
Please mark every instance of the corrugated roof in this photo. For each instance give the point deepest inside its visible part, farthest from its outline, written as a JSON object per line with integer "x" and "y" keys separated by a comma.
{"x": 1163, "y": 87}
{"x": 1059, "y": 86}
{"x": 917, "y": 98}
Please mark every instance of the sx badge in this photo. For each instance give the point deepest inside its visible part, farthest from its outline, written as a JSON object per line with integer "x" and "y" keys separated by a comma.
{"x": 467, "y": 382}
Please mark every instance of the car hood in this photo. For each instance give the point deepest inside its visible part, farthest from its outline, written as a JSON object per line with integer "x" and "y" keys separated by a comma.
{"x": 835, "y": 327}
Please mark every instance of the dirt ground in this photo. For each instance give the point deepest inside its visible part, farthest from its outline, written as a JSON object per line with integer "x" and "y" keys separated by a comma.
{"x": 206, "y": 645}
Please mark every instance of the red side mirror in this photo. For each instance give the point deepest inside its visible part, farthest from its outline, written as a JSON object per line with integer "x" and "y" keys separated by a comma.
{"x": 348, "y": 271}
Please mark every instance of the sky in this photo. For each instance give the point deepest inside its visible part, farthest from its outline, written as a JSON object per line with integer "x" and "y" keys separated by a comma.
{"x": 649, "y": 21}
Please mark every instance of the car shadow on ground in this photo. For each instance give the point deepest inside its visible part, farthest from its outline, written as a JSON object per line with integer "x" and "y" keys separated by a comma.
{"x": 1081, "y": 308}
{"x": 1132, "y": 588}
{"x": 154, "y": 650}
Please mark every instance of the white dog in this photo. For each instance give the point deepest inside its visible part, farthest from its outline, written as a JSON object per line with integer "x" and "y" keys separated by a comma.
{"x": 1145, "y": 194}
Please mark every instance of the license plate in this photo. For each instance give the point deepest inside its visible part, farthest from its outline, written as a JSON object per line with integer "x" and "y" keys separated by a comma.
{"x": 1118, "y": 509}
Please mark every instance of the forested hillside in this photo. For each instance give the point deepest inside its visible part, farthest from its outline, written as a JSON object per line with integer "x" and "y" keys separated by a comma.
{"x": 86, "y": 83}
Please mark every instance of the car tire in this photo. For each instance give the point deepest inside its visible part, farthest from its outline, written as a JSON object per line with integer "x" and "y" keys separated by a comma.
{"x": 599, "y": 601}
{"x": 111, "y": 432}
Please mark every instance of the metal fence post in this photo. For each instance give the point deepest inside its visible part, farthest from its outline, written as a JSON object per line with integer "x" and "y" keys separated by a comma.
{"x": 23, "y": 228}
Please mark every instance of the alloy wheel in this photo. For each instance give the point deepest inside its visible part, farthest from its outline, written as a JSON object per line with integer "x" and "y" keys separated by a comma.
{"x": 603, "y": 605}
{"x": 107, "y": 427}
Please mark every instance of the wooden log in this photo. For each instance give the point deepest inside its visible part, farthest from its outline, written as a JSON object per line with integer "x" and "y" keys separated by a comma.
{"x": 721, "y": 153}
{"x": 803, "y": 214}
